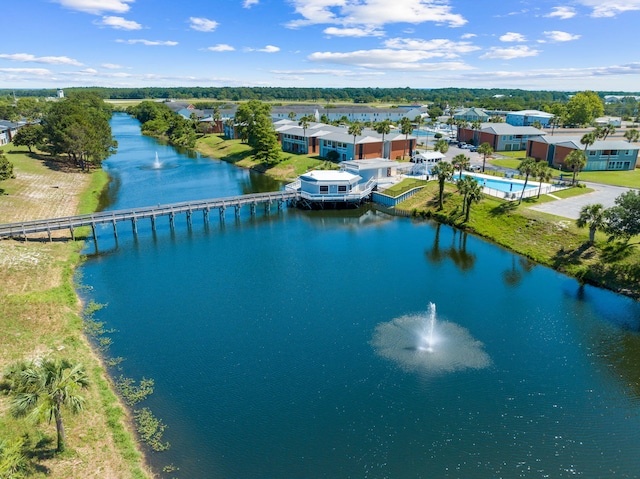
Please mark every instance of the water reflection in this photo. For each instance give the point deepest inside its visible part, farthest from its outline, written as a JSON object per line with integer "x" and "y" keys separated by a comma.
{"x": 519, "y": 267}
{"x": 457, "y": 253}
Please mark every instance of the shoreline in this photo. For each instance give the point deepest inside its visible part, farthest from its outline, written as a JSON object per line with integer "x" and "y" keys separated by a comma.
{"x": 586, "y": 276}
{"x": 43, "y": 313}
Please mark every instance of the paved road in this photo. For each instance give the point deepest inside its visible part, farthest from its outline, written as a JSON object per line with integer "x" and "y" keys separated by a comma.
{"x": 570, "y": 207}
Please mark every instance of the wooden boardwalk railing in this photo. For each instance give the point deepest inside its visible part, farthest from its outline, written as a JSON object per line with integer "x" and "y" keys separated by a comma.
{"x": 22, "y": 229}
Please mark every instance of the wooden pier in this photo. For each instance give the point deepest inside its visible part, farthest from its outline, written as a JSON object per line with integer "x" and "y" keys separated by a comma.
{"x": 133, "y": 215}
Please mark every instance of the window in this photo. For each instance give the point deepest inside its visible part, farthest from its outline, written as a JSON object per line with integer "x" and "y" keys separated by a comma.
{"x": 592, "y": 153}
{"x": 324, "y": 189}
{"x": 342, "y": 188}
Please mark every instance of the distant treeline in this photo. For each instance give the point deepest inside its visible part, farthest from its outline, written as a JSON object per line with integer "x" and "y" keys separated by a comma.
{"x": 496, "y": 98}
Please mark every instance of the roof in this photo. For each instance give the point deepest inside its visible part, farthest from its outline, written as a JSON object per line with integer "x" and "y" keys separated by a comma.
{"x": 329, "y": 175}
{"x": 507, "y": 129}
{"x": 542, "y": 114}
{"x": 370, "y": 164}
{"x": 430, "y": 155}
{"x": 574, "y": 143}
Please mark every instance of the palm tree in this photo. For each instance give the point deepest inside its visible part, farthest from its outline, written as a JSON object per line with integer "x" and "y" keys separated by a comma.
{"x": 474, "y": 195}
{"x": 461, "y": 162}
{"x": 444, "y": 171}
{"x": 41, "y": 390}
{"x": 527, "y": 167}
{"x": 304, "y": 123}
{"x": 592, "y": 216}
{"x": 632, "y": 135}
{"x": 607, "y": 130}
{"x": 418, "y": 121}
{"x": 406, "y": 127}
{"x": 355, "y": 129}
{"x": 543, "y": 173}
{"x": 292, "y": 115}
{"x": 588, "y": 139}
{"x": 464, "y": 186}
{"x": 383, "y": 128}
{"x": 475, "y": 126}
{"x": 441, "y": 145}
{"x": 485, "y": 150}
{"x": 576, "y": 160}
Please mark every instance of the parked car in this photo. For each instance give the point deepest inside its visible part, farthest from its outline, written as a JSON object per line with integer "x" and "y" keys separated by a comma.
{"x": 474, "y": 168}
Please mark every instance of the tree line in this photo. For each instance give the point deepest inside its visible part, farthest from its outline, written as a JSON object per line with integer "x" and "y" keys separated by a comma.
{"x": 159, "y": 120}
{"x": 77, "y": 126}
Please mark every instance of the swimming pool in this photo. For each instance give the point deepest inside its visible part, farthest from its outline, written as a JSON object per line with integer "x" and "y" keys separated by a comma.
{"x": 504, "y": 185}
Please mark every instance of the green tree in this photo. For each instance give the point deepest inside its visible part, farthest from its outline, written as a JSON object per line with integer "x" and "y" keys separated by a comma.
{"x": 247, "y": 116}
{"x": 464, "y": 185}
{"x": 583, "y": 108}
{"x": 485, "y": 150}
{"x": 435, "y": 112}
{"x": 265, "y": 141}
{"x": 383, "y": 128}
{"x": 588, "y": 139}
{"x": 475, "y": 126}
{"x": 444, "y": 171}
{"x": 441, "y": 145}
{"x": 355, "y": 129}
{"x": 460, "y": 161}
{"x": 79, "y": 127}
{"x": 30, "y": 136}
{"x": 576, "y": 160}
{"x": 592, "y": 216}
{"x": 632, "y": 135}
{"x": 543, "y": 173}
{"x": 418, "y": 120}
{"x": 292, "y": 115}
{"x": 527, "y": 167}
{"x": 6, "y": 167}
{"x": 473, "y": 194}
{"x": 42, "y": 390}
{"x": 623, "y": 219}
{"x": 406, "y": 128}
{"x": 304, "y": 123}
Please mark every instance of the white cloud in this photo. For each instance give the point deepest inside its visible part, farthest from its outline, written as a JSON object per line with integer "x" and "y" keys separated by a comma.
{"x": 466, "y": 36}
{"x": 353, "y": 32}
{"x": 28, "y": 58}
{"x": 221, "y": 47}
{"x": 562, "y": 13}
{"x": 337, "y": 73}
{"x": 602, "y": 8}
{"x": 388, "y": 59}
{"x": 96, "y": 7}
{"x": 112, "y": 66}
{"x": 439, "y": 47}
{"x": 510, "y": 53}
{"x": 513, "y": 37}
{"x": 28, "y": 71}
{"x": 202, "y": 24}
{"x": 558, "y": 36}
{"x": 266, "y": 49}
{"x": 250, "y": 3}
{"x": 120, "y": 23}
{"x": 149, "y": 42}
{"x": 374, "y": 12}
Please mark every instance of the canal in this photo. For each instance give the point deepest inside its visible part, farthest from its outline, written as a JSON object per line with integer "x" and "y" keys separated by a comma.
{"x": 304, "y": 345}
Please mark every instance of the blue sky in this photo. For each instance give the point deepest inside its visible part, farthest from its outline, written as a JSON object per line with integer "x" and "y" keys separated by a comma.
{"x": 551, "y": 45}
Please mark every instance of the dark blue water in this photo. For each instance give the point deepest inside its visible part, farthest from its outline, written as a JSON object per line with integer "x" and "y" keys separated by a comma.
{"x": 288, "y": 345}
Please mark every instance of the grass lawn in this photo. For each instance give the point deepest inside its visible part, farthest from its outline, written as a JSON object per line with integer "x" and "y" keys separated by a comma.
{"x": 629, "y": 179}
{"x": 404, "y": 186}
{"x": 234, "y": 151}
{"x": 40, "y": 315}
{"x": 512, "y": 154}
{"x": 549, "y": 240}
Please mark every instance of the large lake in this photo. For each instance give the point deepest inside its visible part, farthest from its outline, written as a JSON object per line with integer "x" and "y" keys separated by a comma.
{"x": 301, "y": 344}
